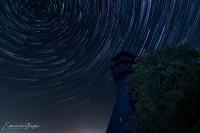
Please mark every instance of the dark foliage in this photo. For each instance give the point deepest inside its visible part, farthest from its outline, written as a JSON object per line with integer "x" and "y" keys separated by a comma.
{"x": 166, "y": 86}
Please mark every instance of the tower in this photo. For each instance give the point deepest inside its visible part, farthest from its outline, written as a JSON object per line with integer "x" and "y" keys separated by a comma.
{"x": 123, "y": 105}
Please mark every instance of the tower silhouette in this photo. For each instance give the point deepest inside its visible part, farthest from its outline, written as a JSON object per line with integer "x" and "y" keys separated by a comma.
{"x": 123, "y": 105}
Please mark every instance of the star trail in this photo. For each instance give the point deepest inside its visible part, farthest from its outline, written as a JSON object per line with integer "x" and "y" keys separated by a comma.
{"x": 55, "y": 55}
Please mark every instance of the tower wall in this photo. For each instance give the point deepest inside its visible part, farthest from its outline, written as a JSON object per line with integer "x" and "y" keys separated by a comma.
{"x": 122, "y": 109}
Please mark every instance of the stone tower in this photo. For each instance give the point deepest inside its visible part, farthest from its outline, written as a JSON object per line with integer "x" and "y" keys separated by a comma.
{"x": 123, "y": 105}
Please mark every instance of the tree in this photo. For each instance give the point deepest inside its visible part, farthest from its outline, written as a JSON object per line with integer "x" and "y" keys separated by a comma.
{"x": 166, "y": 88}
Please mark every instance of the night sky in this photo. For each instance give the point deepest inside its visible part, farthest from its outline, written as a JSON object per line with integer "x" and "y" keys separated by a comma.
{"x": 55, "y": 55}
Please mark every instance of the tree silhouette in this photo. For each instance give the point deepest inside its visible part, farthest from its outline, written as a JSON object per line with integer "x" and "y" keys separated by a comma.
{"x": 166, "y": 88}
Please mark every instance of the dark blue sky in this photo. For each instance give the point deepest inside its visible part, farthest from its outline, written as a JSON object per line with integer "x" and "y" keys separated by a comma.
{"x": 55, "y": 55}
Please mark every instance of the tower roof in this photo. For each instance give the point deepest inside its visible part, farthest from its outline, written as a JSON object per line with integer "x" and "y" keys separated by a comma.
{"x": 123, "y": 52}
{"x": 123, "y": 57}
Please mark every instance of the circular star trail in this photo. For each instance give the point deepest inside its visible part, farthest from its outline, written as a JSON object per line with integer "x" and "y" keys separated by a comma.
{"x": 55, "y": 54}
